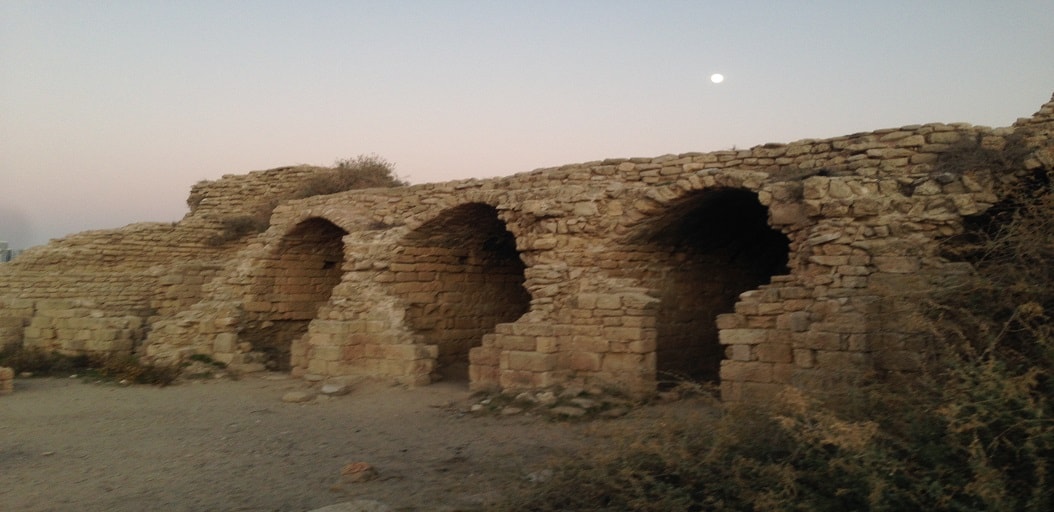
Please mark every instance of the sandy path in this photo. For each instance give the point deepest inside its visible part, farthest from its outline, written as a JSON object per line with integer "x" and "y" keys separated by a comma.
{"x": 235, "y": 446}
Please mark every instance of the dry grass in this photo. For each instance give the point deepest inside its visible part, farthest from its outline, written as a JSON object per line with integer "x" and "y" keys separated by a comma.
{"x": 363, "y": 171}
{"x": 109, "y": 367}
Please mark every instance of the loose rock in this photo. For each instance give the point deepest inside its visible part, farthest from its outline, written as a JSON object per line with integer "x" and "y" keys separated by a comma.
{"x": 335, "y": 389}
{"x": 295, "y": 397}
{"x": 358, "y": 472}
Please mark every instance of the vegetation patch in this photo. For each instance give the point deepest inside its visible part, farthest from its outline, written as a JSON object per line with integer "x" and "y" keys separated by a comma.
{"x": 363, "y": 171}
{"x": 124, "y": 368}
{"x": 972, "y": 431}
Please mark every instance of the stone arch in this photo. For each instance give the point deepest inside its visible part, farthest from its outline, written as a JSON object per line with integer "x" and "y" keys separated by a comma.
{"x": 459, "y": 274}
{"x": 698, "y": 254}
{"x": 290, "y": 285}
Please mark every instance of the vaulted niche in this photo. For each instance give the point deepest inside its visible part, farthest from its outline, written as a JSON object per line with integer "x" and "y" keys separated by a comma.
{"x": 290, "y": 288}
{"x": 705, "y": 250}
{"x": 460, "y": 275}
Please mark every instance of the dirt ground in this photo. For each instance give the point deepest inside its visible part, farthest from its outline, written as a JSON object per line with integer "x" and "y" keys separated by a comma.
{"x": 234, "y": 445}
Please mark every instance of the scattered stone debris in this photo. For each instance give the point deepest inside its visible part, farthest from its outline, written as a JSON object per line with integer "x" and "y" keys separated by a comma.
{"x": 557, "y": 403}
{"x": 546, "y": 398}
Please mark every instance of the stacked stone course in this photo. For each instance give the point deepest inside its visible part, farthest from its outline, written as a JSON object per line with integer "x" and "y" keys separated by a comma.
{"x": 765, "y": 267}
{"x": 76, "y": 327}
{"x": 100, "y": 291}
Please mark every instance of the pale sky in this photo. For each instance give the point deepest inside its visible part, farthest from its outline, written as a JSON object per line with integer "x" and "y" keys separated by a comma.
{"x": 111, "y": 110}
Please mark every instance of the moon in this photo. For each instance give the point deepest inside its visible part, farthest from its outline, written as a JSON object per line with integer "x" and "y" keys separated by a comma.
{"x": 717, "y": 78}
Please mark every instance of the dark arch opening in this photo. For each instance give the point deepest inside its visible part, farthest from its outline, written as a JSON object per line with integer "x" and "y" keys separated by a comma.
{"x": 290, "y": 287}
{"x": 708, "y": 248}
{"x": 461, "y": 275}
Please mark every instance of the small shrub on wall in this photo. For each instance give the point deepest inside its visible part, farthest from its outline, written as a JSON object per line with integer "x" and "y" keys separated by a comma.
{"x": 363, "y": 171}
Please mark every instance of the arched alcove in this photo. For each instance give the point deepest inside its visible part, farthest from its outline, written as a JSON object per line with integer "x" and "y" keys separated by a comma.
{"x": 290, "y": 286}
{"x": 460, "y": 275}
{"x": 698, "y": 255}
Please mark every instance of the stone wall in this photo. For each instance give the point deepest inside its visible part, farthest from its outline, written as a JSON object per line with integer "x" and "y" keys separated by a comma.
{"x": 147, "y": 270}
{"x": 7, "y": 381}
{"x": 759, "y": 268}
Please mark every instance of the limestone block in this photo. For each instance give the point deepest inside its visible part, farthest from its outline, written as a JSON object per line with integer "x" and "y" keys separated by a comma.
{"x": 896, "y": 264}
{"x": 804, "y": 358}
{"x": 739, "y": 352}
{"x": 628, "y": 363}
{"x": 585, "y": 361}
{"x": 547, "y": 344}
{"x": 797, "y": 321}
{"x": 483, "y": 378}
{"x": 946, "y": 137}
{"x": 622, "y": 333}
{"x": 908, "y": 140}
{"x": 729, "y": 321}
{"x": 327, "y": 353}
{"x": 787, "y": 213}
{"x": 819, "y": 340}
{"x": 516, "y": 379}
{"x": 743, "y": 336}
{"x": 587, "y": 343}
{"x": 528, "y": 361}
{"x": 774, "y": 353}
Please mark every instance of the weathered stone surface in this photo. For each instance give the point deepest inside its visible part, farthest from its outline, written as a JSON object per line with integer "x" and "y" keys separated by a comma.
{"x": 296, "y": 397}
{"x": 356, "y": 506}
{"x": 335, "y": 389}
{"x": 7, "y": 380}
{"x": 759, "y": 267}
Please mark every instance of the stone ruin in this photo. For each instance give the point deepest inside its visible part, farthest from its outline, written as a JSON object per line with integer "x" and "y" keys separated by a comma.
{"x": 757, "y": 268}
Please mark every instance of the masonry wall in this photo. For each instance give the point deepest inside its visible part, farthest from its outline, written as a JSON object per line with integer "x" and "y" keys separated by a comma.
{"x": 459, "y": 275}
{"x": 759, "y": 268}
{"x": 148, "y": 271}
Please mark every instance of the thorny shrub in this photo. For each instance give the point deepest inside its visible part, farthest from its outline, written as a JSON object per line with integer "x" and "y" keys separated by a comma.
{"x": 972, "y": 431}
{"x": 363, "y": 171}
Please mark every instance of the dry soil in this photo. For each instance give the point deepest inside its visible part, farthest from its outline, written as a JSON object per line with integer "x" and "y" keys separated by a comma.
{"x": 234, "y": 445}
